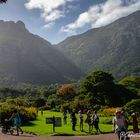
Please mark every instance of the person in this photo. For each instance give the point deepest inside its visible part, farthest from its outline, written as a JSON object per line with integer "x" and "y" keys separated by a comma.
{"x": 65, "y": 117}
{"x": 73, "y": 119}
{"x": 17, "y": 121}
{"x": 135, "y": 122}
{"x": 96, "y": 121}
{"x": 119, "y": 123}
{"x": 88, "y": 120}
{"x": 81, "y": 120}
{"x": 126, "y": 118}
{"x": 41, "y": 112}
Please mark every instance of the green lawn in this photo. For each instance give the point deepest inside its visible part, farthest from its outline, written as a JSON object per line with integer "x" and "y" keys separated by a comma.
{"x": 40, "y": 127}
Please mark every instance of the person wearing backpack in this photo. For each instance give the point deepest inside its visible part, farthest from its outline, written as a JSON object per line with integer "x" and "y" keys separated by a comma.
{"x": 96, "y": 121}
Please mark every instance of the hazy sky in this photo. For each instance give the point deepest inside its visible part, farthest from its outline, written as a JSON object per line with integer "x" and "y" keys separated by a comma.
{"x": 55, "y": 20}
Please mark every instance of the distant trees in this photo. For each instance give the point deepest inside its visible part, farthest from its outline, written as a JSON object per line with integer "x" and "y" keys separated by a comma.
{"x": 131, "y": 82}
{"x": 66, "y": 92}
{"x": 96, "y": 91}
{"x": 39, "y": 102}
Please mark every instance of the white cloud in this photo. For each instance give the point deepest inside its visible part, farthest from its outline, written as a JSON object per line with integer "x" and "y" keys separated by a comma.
{"x": 103, "y": 14}
{"x": 50, "y": 9}
{"x": 49, "y": 25}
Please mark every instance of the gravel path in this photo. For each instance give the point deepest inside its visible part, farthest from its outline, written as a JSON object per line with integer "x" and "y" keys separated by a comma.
{"x": 31, "y": 137}
{"x": 25, "y": 136}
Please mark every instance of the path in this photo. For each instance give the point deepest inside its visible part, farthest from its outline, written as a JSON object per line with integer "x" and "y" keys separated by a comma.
{"x": 31, "y": 137}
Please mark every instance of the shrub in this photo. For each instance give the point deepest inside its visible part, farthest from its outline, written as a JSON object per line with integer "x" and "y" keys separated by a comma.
{"x": 26, "y": 115}
{"x": 108, "y": 111}
{"x": 133, "y": 106}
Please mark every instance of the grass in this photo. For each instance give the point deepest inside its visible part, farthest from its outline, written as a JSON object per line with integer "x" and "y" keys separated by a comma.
{"x": 41, "y": 128}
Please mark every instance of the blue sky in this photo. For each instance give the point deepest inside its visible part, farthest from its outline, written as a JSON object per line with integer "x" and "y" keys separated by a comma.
{"x": 55, "y": 20}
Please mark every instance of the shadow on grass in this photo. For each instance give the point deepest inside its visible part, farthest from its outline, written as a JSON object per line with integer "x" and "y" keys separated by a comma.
{"x": 29, "y": 124}
{"x": 86, "y": 134}
{"x": 62, "y": 134}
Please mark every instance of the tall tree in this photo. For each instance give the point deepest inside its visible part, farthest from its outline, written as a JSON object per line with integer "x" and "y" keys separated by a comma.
{"x": 98, "y": 86}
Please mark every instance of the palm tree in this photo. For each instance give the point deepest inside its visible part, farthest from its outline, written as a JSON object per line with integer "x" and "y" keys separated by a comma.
{"x": 3, "y": 1}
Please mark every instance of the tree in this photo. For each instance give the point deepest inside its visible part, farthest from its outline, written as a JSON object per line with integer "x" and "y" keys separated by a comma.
{"x": 66, "y": 92}
{"x": 133, "y": 106}
{"x": 98, "y": 86}
{"x": 39, "y": 102}
{"x": 3, "y": 1}
{"x": 131, "y": 82}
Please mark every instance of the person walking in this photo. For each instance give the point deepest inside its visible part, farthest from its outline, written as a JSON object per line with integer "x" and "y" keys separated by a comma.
{"x": 73, "y": 120}
{"x": 119, "y": 123}
{"x": 81, "y": 120}
{"x": 65, "y": 117}
{"x": 17, "y": 121}
{"x": 126, "y": 118}
{"x": 41, "y": 112}
{"x": 135, "y": 122}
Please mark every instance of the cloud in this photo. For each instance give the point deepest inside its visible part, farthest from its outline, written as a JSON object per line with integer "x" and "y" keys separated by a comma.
{"x": 103, "y": 14}
{"x": 51, "y": 10}
{"x": 49, "y": 25}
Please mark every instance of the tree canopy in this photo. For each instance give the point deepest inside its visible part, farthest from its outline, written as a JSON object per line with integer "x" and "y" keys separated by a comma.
{"x": 131, "y": 82}
{"x": 100, "y": 88}
{"x": 98, "y": 85}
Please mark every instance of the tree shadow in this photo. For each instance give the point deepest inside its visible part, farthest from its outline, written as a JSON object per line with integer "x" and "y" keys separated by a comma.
{"x": 29, "y": 124}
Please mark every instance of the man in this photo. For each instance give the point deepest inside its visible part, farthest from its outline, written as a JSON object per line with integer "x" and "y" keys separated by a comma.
{"x": 73, "y": 119}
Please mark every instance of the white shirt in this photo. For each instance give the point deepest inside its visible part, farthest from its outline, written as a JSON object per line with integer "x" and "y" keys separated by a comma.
{"x": 119, "y": 122}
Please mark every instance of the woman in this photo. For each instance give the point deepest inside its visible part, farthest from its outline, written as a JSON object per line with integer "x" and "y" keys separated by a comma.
{"x": 17, "y": 121}
{"x": 135, "y": 123}
{"x": 88, "y": 120}
{"x": 81, "y": 120}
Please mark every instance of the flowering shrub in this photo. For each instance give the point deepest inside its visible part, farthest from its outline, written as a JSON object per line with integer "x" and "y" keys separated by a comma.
{"x": 109, "y": 111}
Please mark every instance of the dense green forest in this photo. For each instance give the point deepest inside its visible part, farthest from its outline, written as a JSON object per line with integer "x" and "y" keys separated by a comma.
{"x": 97, "y": 91}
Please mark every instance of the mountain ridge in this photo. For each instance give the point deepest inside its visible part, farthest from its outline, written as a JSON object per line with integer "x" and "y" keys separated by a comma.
{"x": 29, "y": 58}
{"x": 107, "y": 47}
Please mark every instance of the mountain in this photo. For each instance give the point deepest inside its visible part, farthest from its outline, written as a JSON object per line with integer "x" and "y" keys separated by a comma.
{"x": 114, "y": 48}
{"x": 27, "y": 58}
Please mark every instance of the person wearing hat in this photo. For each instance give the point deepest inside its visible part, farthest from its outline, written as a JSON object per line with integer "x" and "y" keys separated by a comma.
{"x": 119, "y": 123}
{"x": 135, "y": 122}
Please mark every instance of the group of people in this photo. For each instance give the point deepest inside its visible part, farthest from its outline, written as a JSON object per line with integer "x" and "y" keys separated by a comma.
{"x": 121, "y": 121}
{"x": 91, "y": 120}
